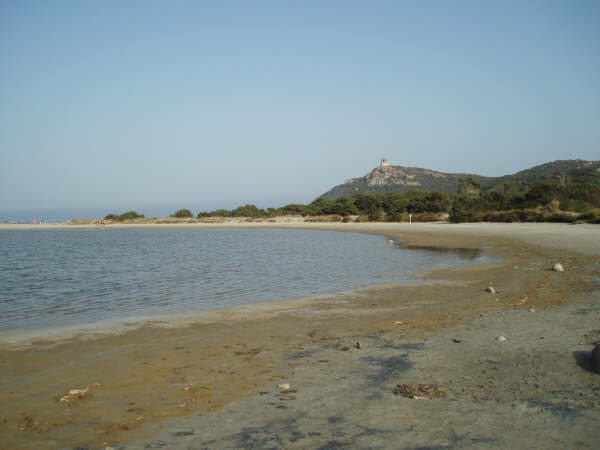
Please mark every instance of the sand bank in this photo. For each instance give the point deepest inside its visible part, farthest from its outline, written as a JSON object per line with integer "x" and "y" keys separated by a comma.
{"x": 213, "y": 383}
{"x": 582, "y": 238}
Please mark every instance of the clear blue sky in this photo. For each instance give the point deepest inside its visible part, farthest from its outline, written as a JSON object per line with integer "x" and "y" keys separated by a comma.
{"x": 159, "y": 105}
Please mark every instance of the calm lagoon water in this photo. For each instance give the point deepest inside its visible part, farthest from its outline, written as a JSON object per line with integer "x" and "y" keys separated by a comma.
{"x": 72, "y": 277}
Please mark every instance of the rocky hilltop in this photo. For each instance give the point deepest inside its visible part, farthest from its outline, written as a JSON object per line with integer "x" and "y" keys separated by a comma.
{"x": 388, "y": 178}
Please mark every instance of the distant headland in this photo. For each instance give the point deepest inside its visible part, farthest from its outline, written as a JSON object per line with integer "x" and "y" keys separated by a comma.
{"x": 559, "y": 191}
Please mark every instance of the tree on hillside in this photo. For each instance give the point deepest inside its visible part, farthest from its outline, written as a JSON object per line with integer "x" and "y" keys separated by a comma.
{"x": 468, "y": 186}
{"x": 367, "y": 203}
{"x": 320, "y": 206}
{"x": 344, "y": 207}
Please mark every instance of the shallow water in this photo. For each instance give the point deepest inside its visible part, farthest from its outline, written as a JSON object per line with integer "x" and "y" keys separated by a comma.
{"x": 71, "y": 277}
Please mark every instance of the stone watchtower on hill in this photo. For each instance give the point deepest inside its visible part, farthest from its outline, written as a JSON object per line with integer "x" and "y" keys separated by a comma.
{"x": 384, "y": 162}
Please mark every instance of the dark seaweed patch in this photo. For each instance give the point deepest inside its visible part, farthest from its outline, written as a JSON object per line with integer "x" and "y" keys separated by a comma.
{"x": 302, "y": 354}
{"x": 458, "y": 440}
{"x": 269, "y": 435}
{"x": 416, "y": 346}
{"x": 389, "y": 368}
{"x": 389, "y": 345}
{"x": 559, "y": 411}
{"x": 375, "y": 395}
{"x": 367, "y": 431}
{"x": 159, "y": 444}
{"x": 330, "y": 445}
{"x": 434, "y": 447}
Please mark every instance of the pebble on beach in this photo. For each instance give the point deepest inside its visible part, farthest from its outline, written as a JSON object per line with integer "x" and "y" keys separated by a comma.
{"x": 284, "y": 386}
{"x": 490, "y": 289}
{"x": 558, "y": 267}
{"x": 501, "y": 339}
{"x": 596, "y": 358}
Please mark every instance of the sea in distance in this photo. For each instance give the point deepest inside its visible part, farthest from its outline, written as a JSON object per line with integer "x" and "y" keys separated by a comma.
{"x": 54, "y": 278}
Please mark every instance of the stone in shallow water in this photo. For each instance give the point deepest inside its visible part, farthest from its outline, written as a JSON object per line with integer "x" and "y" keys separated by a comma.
{"x": 558, "y": 267}
{"x": 490, "y": 289}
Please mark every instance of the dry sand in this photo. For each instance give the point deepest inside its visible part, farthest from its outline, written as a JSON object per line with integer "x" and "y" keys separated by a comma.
{"x": 212, "y": 382}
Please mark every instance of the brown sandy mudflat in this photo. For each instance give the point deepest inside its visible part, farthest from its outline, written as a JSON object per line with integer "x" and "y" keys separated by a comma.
{"x": 212, "y": 382}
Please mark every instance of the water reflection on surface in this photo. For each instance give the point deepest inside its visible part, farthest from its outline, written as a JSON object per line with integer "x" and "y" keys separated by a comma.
{"x": 64, "y": 277}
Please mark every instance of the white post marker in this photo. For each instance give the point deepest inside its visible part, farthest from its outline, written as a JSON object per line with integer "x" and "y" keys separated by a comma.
{"x": 410, "y": 218}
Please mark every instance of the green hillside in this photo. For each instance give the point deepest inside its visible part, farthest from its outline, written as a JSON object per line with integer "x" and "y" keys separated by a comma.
{"x": 564, "y": 171}
{"x": 403, "y": 179}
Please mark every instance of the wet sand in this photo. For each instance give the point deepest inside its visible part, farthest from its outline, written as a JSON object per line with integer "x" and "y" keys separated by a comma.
{"x": 212, "y": 382}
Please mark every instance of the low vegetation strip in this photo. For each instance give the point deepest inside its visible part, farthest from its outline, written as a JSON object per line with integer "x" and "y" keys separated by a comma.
{"x": 549, "y": 201}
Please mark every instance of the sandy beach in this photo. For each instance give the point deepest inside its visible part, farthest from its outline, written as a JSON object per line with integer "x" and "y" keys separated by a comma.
{"x": 211, "y": 380}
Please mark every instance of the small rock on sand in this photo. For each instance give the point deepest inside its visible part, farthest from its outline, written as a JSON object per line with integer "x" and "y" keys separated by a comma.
{"x": 181, "y": 433}
{"x": 78, "y": 391}
{"x": 596, "y": 358}
{"x": 284, "y": 386}
{"x": 420, "y": 391}
{"x": 558, "y": 267}
{"x": 490, "y": 289}
{"x": 501, "y": 339}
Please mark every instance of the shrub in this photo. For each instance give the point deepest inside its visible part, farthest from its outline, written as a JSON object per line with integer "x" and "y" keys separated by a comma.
{"x": 290, "y": 210}
{"x": 560, "y": 217}
{"x": 426, "y": 217}
{"x": 376, "y": 215}
{"x": 464, "y": 213}
{"x": 130, "y": 215}
{"x": 248, "y": 211}
{"x": 395, "y": 216}
{"x": 573, "y": 205}
{"x": 590, "y": 217}
{"x": 327, "y": 218}
{"x": 182, "y": 213}
{"x": 530, "y": 216}
{"x": 542, "y": 194}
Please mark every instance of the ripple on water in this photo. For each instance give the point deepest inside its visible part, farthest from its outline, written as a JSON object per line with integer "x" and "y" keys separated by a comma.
{"x": 52, "y": 277}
